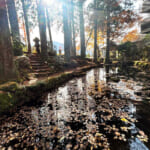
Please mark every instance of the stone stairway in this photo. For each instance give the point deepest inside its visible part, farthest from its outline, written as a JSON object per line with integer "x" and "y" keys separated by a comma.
{"x": 40, "y": 69}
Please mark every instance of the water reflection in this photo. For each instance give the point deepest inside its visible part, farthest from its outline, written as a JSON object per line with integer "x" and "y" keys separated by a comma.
{"x": 136, "y": 144}
{"x": 128, "y": 88}
{"x": 86, "y": 113}
{"x": 75, "y": 103}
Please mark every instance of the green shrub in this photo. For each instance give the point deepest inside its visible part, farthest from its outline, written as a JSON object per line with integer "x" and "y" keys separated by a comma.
{"x": 128, "y": 50}
{"x": 17, "y": 48}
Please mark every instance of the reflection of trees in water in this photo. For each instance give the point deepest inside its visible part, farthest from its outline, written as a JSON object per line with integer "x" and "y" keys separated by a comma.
{"x": 77, "y": 91}
{"x": 96, "y": 79}
{"x": 92, "y": 104}
{"x": 107, "y": 68}
{"x": 85, "y": 91}
{"x": 107, "y": 73}
{"x": 124, "y": 69}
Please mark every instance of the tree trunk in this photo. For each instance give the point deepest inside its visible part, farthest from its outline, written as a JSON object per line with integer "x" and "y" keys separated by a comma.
{"x": 89, "y": 38}
{"x": 108, "y": 34}
{"x": 70, "y": 26}
{"x": 6, "y": 54}
{"x": 73, "y": 29}
{"x": 42, "y": 28}
{"x": 13, "y": 19}
{"x": 95, "y": 33}
{"x": 70, "y": 36}
{"x": 66, "y": 33}
{"x": 26, "y": 25}
{"x": 82, "y": 34}
{"x": 49, "y": 29}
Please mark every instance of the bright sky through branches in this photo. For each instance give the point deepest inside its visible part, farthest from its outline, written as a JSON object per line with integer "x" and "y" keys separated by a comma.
{"x": 48, "y": 2}
{"x": 57, "y": 35}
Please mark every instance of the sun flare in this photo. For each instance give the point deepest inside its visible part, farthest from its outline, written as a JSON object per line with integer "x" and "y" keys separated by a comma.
{"x": 48, "y": 2}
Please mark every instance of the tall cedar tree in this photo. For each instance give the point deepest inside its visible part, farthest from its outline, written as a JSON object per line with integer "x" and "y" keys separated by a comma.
{"x": 114, "y": 17}
{"x": 67, "y": 45}
{"x": 108, "y": 34}
{"x": 82, "y": 31}
{"x": 42, "y": 28}
{"x": 49, "y": 29}
{"x": 6, "y": 54}
{"x": 95, "y": 32}
{"x": 13, "y": 19}
{"x": 70, "y": 26}
{"x": 73, "y": 28}
{"x": 26, "y": 25}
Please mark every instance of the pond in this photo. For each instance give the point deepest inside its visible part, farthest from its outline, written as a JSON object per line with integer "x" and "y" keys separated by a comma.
{"x": 86, "y": 113}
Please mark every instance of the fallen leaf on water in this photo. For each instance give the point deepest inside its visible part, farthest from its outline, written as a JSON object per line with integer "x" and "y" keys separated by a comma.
{"x": 141, "y": 133}
{"x": 124, "y": 120}
{"x": 98, "y": 134}
{"x": 117, "y": 133}
{"x": 62, "y": 138}
{"x": 124, "y": 129}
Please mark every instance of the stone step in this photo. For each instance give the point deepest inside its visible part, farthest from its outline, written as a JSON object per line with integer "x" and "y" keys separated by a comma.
{"x": 38, "y": 64}
{"x": 41, "y": 70}
{"x": 42, "y": 74}
{"x": 39, "y": 67}
{"x": 35, "y": 56}
{"x": 36, "y": 61}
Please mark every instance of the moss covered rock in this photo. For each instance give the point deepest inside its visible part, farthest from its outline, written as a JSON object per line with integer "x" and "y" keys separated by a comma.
{"x": 7, "y": 101}
{"x": 12, "y": 94}
{"x": 23, "y": 67}
{"x": 9, "y": 87}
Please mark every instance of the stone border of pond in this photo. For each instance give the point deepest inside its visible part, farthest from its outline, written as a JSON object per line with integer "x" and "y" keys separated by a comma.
{"x": 13, "y": 94}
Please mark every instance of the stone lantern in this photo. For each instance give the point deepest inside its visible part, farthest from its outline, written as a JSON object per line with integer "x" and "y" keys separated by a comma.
{"x": 37, "y": 45}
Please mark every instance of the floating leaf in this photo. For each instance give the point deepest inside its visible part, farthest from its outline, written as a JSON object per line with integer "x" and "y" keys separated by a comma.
{"x": 124, "y": 120}
{"x": 98, "y": 134}
{"x": 62, "y": 138}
